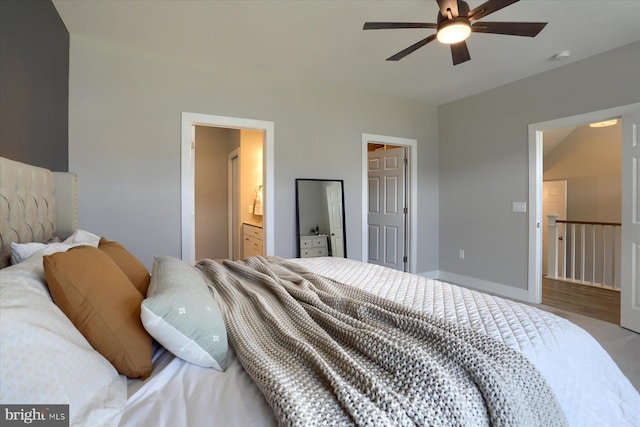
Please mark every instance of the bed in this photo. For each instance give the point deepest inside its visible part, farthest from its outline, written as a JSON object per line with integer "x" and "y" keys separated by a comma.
{"x": 45, "y": 359}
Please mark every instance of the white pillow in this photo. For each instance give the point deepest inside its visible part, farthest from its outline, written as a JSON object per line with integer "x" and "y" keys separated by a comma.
{"x": 182, "y": 315}
{"x": 29, "y": 273}
{"x": 83, "y": 237}
{"x": 45, "y": 360}
{"x": 22, "y": 251}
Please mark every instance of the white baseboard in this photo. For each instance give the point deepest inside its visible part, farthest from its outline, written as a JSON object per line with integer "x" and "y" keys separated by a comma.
{"x": 435, "y": 274}
{"x": 479, "y": 284}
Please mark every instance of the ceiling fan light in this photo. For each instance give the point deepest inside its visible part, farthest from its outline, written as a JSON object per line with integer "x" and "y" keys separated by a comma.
{"x": 453, "y": 31}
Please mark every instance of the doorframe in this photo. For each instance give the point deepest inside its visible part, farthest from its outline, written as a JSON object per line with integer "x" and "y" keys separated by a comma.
{"x": 561, "y": 216}
{"x": 536, "y": 130}
{"x": 231, "y": 209}
{"x": 412, "y": 233}
{"x": 188, "y": 176}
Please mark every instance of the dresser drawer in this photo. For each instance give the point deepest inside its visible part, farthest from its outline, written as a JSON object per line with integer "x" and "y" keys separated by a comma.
{"x": 319, "y": 242}
{"x": 251, "y": 240}
{"x": 313, "y": 252}
{"x": 252, "y": 231}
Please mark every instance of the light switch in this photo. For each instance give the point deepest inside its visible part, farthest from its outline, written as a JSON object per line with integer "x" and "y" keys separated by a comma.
{"x": 519, "y": 207}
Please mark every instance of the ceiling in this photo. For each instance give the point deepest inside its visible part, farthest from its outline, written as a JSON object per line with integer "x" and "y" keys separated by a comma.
{"x": 321, "y": 42}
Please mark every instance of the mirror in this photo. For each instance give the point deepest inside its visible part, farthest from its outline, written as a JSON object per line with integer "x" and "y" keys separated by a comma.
{"x": 320, "y": 218}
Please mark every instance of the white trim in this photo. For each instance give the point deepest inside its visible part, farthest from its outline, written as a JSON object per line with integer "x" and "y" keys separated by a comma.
{"x": 188, "y": 176}
{"x": 536, "y": 131}
{"x": 433, "y": 274}
{"x": 235, "y": 154}
{"x": 486, "y": 286}
{"x": 534, "y": 279}
{"x": 413, "y": 186}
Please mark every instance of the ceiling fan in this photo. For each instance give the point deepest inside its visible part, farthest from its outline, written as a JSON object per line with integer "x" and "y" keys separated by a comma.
{"x": 454, "y": 25}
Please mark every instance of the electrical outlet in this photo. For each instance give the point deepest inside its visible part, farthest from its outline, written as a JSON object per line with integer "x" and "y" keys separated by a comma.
{"x": 461, "y": 254}
{"x": 519, "y": 207}
{"x": 251, "y": 209}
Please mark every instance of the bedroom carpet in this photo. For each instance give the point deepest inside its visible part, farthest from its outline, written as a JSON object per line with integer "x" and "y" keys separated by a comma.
{"x": 622, "y": 344}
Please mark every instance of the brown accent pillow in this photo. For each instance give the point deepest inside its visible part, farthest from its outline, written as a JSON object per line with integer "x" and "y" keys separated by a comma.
{"x": 129, "y": 264}
{"x": 103, "y": 304}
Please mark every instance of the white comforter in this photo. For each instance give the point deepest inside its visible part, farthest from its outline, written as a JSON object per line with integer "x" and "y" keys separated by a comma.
{"x": 589, "y": 386}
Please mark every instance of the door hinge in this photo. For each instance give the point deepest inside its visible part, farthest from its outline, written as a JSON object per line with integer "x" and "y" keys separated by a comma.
{"x": 406, "y": 211}
{"x": 404, "y": 258}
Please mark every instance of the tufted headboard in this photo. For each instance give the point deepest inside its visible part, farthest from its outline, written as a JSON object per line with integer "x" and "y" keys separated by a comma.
{"x": 36, "y": 204}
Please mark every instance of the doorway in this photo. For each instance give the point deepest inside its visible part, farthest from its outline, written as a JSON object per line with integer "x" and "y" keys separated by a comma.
{"x": 401, "y": 245}
{"x": 582, "y": 194}
{"x": 228, "y": 171}
{"x": 387, "y": 209}
{"x": 189, "y": 121}
{"x": 214, "y": 214}
{"x": 630, "y": 116}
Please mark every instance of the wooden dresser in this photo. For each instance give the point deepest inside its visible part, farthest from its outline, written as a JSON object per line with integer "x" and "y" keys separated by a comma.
{"x": 251, "y": 240}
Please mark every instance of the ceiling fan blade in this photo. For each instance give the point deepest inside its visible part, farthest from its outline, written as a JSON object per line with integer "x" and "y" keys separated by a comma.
{"x": 398, "y": 56}
{"x": 460, "y": 53}
{"x": 489, "y": 7}
{"x": 390, "y": 25}
{"x": 446, "y": 5}
{"x": 526, "y": 29}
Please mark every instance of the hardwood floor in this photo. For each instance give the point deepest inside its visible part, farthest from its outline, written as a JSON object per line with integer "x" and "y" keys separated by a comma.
{"x": 603, "y": 304}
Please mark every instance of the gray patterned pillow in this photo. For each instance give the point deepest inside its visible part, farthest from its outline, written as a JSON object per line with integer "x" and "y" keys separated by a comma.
{"x": 182, "y": 315}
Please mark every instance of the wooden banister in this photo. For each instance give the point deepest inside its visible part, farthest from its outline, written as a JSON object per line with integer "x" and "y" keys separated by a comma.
{"x": 564, "y": 221}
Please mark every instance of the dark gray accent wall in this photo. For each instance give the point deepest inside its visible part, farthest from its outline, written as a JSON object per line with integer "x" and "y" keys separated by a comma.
{"x": 34, "y": 84}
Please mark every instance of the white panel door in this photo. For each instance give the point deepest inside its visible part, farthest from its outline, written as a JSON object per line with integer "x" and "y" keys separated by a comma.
{"x": 387, "y": 216}
{"x": 375, "y": 194}
{"x": 336, "y": 229}
{"x": 630, "y": 283}
{"x": 554, "y": 201}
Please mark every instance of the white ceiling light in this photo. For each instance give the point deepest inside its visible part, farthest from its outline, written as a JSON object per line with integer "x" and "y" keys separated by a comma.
{"x": 454, "y": 30}
{"x": 603, "y": 124}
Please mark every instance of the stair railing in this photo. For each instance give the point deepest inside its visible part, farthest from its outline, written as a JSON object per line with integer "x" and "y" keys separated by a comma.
{"x": 584, "y": 252}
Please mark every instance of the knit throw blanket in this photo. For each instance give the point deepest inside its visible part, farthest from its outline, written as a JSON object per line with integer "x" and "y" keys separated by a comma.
{"x": 325, "y": 353}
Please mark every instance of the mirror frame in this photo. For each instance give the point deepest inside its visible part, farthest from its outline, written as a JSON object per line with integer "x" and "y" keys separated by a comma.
{"x": 344, "y": 228}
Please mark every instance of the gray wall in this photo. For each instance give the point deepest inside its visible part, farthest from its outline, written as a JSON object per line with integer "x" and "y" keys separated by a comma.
{"x": 484, "y": 165}
{"x": 125, "y": 108}
{"x": 34, "y": 84}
